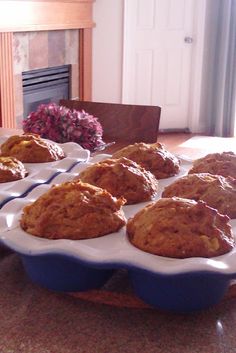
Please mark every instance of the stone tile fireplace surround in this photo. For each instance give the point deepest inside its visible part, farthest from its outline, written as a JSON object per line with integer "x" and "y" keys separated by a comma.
{"x": 39, "y": 34}
{"x": 38, "y": 50}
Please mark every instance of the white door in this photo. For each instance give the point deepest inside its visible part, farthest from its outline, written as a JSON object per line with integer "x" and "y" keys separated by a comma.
{"x": 159, "y": 42}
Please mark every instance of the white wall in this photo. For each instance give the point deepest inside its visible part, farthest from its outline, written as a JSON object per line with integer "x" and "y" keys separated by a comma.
{"x": 107, "y": 51}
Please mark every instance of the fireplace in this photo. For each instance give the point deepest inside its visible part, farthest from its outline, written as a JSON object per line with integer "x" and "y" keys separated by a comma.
{"x": 35, "y": 39}
{"x": 45, "y": 86}
{"x": 45, "y": 69}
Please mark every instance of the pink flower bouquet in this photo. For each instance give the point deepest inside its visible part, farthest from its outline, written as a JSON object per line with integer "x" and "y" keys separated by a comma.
{"x": 60, "y": 124}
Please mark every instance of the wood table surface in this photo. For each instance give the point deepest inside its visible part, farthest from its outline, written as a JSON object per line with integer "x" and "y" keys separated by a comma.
{"x": 36, "y": 320}
{"x": 172, "y": 141}
{"x": 177, "y": 144}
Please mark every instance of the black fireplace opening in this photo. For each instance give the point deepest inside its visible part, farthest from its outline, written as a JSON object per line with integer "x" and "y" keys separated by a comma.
{"x": 43, "y": 86}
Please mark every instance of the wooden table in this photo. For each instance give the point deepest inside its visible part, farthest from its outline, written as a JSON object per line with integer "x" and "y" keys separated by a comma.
{"x": 36, "y": 320}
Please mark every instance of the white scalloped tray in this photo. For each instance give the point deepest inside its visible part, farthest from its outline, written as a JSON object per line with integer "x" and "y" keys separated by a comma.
{"x": 113, "y": 249}
{"x": 40, "y": 173}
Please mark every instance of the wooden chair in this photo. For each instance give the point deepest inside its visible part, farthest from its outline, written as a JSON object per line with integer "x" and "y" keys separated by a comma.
{"x": 122, "y": 122}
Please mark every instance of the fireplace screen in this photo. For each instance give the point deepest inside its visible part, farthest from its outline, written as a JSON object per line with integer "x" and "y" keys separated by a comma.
{"x": 45, "y": 86}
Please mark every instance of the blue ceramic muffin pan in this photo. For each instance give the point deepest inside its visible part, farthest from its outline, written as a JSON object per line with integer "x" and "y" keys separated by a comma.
{"x": 181, "y": 285}
{"x": 40, "y": 173}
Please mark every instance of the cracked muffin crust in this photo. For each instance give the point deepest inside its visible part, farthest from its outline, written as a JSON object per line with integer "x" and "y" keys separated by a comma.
{"x": 217, "y": 191}
{"x": 153, "y": 157}
{"x": 216, "y": 163}
{"x": 73, "y": 210}
{"x": 122, "y": 178}
{"x": 30, "y": 148}
{"x": 180, "y": 228}
{"x": 11, "y": 169}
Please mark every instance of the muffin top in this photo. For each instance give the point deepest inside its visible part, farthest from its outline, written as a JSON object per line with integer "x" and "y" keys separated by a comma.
{"x": 122, "y": 178}
{"x": 73, "y": 210}
{"x": 30, "y": 148}
{"x": 153, "y": 157}
{"x": 180, "y": 228}
{"x": 217, "y": 191}
{"x": 216, "y": 163}
{"x": 11, "y": 169}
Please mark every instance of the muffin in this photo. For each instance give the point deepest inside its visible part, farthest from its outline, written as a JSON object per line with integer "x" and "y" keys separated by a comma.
{"x": 73, "y": 210}
{"x": 31, "y": 148}
{"x": 217, "y": 191}
{"x": 180, "y": 228}
{"x": 153, "y": 157}
{"x": 216, "y": 163}
{"x": 122, "y": 178}
{"x": 11, "y": 169}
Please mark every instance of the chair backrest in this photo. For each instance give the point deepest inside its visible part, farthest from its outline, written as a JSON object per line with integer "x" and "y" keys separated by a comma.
{"x": 122, "y": 122}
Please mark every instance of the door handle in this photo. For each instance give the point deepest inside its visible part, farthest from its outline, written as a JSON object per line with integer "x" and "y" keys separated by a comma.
{"x": 188, "y": 40}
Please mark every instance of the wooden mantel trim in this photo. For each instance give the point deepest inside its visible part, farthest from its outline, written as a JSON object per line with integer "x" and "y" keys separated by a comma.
{"x": 21, "y": 16}
{"x": 85, "y": 64}
{"x": 33, "y": 15}
{"x": 7, "y": 100}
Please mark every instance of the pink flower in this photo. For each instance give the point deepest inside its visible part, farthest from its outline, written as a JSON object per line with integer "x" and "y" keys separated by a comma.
{"x": 61, "y": 124}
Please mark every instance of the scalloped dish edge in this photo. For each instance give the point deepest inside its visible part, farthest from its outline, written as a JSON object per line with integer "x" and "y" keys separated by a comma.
{"x": 118, "y": 250}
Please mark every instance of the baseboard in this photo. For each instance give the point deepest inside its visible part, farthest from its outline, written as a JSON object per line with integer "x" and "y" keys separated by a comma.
{"x": 166, "y": 131}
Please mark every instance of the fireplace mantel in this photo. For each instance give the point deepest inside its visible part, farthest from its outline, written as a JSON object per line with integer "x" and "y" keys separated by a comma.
{"x": 32, "y": 15}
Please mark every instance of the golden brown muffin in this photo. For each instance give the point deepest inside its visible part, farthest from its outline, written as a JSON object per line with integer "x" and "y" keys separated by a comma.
{"x": 122, "y": 178}
{"x": 11, "y": 169}
{"x": 180, "y": 228}
{"x": 73, "y": 210}
{"x": 153, "y": 157}
{"x": 216, "y": 163}
{"x": 217, "y": 191}
{"x": 30, "y": 148}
